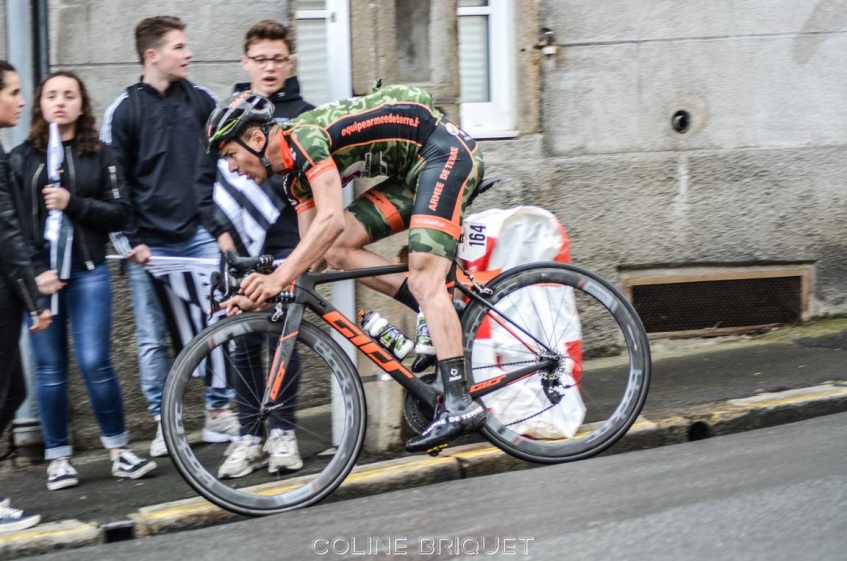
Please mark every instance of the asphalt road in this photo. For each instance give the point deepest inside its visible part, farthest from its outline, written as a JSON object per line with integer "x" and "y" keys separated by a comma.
{"x": 777, "y": 493}
{"x": 691, "y": 379}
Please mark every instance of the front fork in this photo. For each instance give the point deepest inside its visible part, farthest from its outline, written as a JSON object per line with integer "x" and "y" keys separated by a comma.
{"x": 292, "y": 315}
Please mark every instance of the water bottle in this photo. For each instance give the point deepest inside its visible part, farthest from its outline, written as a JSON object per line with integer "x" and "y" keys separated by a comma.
{"x": 386, "y": 334}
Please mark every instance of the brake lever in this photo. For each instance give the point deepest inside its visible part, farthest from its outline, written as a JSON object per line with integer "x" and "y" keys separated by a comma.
{"x": 227, "y": 279}
{"x": 214, "y": 284}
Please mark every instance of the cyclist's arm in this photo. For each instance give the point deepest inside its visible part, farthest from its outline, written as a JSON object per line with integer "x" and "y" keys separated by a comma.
{"x": 324, "y": 222}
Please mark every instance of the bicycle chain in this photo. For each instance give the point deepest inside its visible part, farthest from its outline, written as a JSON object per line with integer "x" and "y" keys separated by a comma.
{"x": 532, "y": 416}
{"x": 552, "y": 405}
{"x": 504, "y": 364}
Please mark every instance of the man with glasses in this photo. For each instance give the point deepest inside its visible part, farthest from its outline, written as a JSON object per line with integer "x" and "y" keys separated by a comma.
{"x": 267, "y": 60}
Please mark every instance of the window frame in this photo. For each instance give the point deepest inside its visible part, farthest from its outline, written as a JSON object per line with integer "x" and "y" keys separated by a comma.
{"x": 495, "y": 118}
{"x": 337, "y": 18}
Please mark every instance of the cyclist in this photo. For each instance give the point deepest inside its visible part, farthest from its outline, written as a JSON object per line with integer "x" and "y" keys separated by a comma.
{"x": 432, "y": 167}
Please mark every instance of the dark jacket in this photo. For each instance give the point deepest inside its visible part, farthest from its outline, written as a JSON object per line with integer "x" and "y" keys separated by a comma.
{"x": 98, "y": 203}
{"x": 288, "y": 103}
{"x": 160, "y": 159}
{"x": 17, "y": 254}
{"x": 284, "y": 234}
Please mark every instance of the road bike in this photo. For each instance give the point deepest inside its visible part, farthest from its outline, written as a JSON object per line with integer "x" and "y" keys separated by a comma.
{"x": 534, "y": 336}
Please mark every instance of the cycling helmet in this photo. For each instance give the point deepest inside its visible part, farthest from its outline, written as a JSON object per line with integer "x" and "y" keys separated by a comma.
{"x": 231, "y": 118}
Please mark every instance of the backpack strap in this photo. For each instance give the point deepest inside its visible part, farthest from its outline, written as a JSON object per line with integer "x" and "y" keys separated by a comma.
{"x": 197, "y": 102}
{"x": 134, "y": 129}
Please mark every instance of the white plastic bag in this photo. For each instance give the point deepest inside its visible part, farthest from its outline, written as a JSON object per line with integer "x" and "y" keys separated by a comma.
{"x": 500, "y": 239}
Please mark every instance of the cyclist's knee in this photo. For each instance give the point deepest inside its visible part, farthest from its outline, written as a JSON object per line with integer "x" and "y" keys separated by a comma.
{"x": 337, "y": 257}
{"x": 426, "y": 277}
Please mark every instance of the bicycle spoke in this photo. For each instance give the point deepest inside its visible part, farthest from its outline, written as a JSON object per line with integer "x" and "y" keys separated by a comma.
{"x": 288, "y": 468}
{"x": 594, "y": 389}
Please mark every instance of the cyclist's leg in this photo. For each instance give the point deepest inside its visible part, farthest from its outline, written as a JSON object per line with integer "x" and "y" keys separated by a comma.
{"x": 453, "y": 167}
{"x": 383, "y": 210}
{"x": 452, "y": 171}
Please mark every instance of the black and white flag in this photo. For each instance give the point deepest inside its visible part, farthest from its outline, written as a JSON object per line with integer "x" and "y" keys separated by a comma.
{"x": 183, "y": 284}
{"x": 248, "y": 208}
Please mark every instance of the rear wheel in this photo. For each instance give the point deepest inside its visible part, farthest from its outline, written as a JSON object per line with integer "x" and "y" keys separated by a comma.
{"x": 599, "y": 383}
{"x": 322, "y": 400}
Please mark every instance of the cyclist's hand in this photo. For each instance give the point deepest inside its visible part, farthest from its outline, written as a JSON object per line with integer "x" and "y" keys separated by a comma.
{"x": 140, "y": 254}
{"x": 239, "y": 303}
{"x": 259, "y": 288}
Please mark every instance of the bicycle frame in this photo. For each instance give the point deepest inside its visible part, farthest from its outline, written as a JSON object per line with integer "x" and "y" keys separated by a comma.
{"x": 304, "y": 296}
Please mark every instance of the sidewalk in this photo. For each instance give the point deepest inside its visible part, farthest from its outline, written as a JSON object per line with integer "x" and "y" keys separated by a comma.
{"x": 700, "y": 388}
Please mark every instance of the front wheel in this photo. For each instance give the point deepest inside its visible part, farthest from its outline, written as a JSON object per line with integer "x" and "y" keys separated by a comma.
{"x": 562, "y": 315}
{"x": 320, "y": 404}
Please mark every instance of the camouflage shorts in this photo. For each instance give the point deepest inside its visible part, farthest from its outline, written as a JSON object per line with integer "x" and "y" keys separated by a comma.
{"x": 447, "y": 173}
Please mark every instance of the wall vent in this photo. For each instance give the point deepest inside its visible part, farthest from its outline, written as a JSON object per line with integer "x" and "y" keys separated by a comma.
{"x": 718, "y": 301}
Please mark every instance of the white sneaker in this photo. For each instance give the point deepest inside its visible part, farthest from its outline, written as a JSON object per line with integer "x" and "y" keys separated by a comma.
{"x": 242, "y": 457}
{"x": 157, "y": 446}
{"x": 14, "y": 520}
{"x": 61, "y": 474}
{"x": 282, "y": 449}
{"x": 127, "y": 464}
{"x": 423, "y": 340}
{"x": 223, "y": 428}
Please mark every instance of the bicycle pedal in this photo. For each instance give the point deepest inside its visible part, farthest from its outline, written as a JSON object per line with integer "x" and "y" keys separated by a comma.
{"x": 435, "y": 450}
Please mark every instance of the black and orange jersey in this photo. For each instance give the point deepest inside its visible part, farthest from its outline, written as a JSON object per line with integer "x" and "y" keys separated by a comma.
{"x": 374, "y": 135}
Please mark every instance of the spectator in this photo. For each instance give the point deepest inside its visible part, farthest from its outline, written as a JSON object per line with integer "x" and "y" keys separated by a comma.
{"x": 19, "y": 289}
{"x": 267, "y": 59}
{"x": 92, "y": 198}
{"x": 173, "y": 215}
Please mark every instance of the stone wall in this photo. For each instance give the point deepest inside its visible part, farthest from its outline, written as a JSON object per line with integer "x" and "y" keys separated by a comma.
{"x": 758, "y": 178}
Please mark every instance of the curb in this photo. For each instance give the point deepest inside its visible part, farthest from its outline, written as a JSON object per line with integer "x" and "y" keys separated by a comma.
{"x": 49, "y": 537}
{"x": 472, "y": 460}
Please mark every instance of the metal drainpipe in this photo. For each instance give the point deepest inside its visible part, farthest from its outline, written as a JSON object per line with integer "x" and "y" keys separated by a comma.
{"x": 344, "y": 299}
{"x": 42, "y": 32}
{"x": 20, "y": 52}
{"x": 26, "y": 430}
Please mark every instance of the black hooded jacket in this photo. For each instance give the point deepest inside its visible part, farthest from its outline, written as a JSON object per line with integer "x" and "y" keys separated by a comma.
{"x": 160, "y": 155}
{"x": 284, "y": 234}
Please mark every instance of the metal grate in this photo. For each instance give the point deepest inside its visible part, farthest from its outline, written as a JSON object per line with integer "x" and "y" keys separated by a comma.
{"x": 719, "y": 304}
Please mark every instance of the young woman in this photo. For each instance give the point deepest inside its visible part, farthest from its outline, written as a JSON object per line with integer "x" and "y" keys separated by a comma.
{"x": 19, "y": 290}
{"x": 90, "y": 195}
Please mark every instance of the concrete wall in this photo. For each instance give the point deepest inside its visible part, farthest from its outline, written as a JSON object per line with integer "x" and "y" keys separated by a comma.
{"x": 97, "y": 39}
{"x": 749, "y": 78}
{"x": 757, "y": 179}
{"x": 3, "y": 29}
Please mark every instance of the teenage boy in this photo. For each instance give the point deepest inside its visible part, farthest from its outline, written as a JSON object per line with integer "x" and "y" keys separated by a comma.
{"x": 268, "y": 60}
{"x": 153, "y": 129}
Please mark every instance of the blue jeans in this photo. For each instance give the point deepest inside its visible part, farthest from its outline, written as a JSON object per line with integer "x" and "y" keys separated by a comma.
{"x": 85, "y": 302}
{"x": 154, "y": 361}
